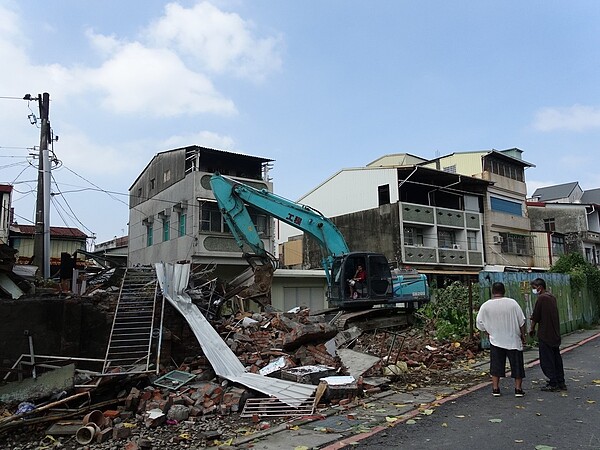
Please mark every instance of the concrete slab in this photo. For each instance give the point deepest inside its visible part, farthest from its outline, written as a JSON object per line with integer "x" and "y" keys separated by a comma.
{"x": 357, "y": 363}
{"x": 343, "y": 424}
{"x": 64, "y": 428}
{"x": 46, "y": 384}
{"x": 416, "y": 398}
{"x": 295, "y": 438}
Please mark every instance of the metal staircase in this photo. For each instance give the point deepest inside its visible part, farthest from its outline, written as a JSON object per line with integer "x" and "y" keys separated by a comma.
{"x": 130, "y": 342}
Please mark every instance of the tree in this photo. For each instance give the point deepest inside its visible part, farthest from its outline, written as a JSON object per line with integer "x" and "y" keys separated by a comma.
{"x": 581, "y": 271}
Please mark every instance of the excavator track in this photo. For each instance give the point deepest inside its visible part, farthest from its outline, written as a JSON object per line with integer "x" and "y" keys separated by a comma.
{"x": 371, "y": 319}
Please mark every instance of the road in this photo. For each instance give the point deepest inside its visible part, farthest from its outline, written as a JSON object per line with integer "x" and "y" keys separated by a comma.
{"x": 540, "y": 420}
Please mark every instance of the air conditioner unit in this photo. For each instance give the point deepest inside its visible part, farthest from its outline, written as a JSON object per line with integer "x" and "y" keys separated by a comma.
{"x": 456, "y": 246}
{"x": 498, "y": 239}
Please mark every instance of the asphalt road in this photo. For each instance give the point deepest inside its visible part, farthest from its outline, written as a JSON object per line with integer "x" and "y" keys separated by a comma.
{"x": 540, "y": 420}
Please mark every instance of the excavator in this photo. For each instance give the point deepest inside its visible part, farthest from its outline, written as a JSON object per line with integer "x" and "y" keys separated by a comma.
{"x": 378, "y": 287}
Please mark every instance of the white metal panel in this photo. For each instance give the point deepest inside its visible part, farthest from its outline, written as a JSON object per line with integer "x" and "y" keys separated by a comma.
{"x": 173, "y": 279}
{"x": 348, "y": 191}
{"x": 352, "y": 190}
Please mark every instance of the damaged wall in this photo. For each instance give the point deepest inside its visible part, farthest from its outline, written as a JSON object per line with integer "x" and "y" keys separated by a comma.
{"x": 374, "y": 230}
{"x": 59, "y": 327}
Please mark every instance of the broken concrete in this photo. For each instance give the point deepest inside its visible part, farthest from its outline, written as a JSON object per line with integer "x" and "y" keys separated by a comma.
{"x": 46, "y": 384}
{"x": 357, "y": 363}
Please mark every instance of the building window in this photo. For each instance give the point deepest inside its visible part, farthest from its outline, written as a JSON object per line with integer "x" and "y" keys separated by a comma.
{"x": 166, "y": 229}
{"x": 212, "y": 220}
{"x": 260, "y": 221}
{"x": 506, "y": 206}
{"x": 517, "y": 244}
{"x": 446, "y": 239}
{"x": 182, "y": 224}
{"x": 139, "y": 194}
{"x": 504, "y": 169}
{"x": 450, "y": 169}
{"x": 472, "y": 240}
{"x": 152, "y": 183}
{"x": 383, "y": 194}
{"x": 558, "y": 244}
{"x": 210, "y": 217}
{"x": 549, "y": 224}
{"x": 166, "y": 175}
{"x": 413, "y": 236}
{"x": 149, "y": 235}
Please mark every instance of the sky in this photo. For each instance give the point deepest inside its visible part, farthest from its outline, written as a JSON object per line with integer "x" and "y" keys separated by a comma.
{"x": 316, "y": 85}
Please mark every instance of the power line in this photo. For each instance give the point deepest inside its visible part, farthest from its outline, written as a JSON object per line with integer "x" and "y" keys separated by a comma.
{"x": 69, "y": 206}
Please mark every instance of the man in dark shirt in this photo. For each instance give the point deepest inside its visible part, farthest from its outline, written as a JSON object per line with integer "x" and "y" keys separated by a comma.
{"x": 545, "y": 314}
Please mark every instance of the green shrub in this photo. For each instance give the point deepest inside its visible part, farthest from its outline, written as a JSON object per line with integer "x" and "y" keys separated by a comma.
{"x": 582, "y": 273}
{"x": 447, "y": 316}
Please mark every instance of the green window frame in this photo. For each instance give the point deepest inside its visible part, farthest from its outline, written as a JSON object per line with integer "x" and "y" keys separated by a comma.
{"x": 166, "y": 230}
{"x": 182, "y": 224}
{"x": 149, "y": 236}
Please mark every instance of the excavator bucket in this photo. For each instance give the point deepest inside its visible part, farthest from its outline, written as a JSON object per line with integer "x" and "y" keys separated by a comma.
{"x": 253, "y": 284}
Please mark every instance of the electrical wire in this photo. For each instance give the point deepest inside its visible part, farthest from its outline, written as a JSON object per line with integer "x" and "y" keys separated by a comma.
{"x": 74, "y": 216}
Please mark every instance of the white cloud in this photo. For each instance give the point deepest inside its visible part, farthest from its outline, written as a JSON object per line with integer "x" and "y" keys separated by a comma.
{"x": 166, "y": 75}
{"x": 217, "y": 40}
{"x": 103, "y": 44}
{"x": 574, "y": 118}
{"x": 81, "y": 154}
{"x": 155, "y": 82}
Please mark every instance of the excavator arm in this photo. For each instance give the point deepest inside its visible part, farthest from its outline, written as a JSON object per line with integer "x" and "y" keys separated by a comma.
{"x": 339, "y": 263}
{"x": 232, "y": 198}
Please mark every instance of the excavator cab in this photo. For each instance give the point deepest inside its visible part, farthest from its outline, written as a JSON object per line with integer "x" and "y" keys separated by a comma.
{"x": 374, "y": 288}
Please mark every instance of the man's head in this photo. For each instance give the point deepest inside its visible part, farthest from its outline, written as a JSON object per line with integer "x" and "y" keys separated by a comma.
{"x": 498, "y": 289}
{"x": 538, "y": 285}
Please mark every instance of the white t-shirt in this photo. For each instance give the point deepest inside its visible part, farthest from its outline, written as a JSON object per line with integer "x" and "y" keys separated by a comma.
{"x": 502, "y": 318}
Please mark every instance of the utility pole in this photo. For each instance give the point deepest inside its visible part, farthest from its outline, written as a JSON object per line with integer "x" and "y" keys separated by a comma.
{"x": 41, "y": 239}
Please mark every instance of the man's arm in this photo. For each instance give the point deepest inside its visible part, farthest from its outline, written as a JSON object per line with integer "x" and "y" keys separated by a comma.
{"x": 479, "y": 320}
{"x": 532, "y": 329}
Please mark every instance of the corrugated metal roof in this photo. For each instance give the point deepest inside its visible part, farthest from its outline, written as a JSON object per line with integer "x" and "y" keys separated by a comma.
{"x": 591, "y": 196}
{"x": 555, "y": 192}
{"x": 173, "y": 279}
{"x": 54, "y": 231}
{"x": 201, "y": 150}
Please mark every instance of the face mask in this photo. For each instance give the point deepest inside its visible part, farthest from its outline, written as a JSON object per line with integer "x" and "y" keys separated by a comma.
{"x": 534, "y": 291}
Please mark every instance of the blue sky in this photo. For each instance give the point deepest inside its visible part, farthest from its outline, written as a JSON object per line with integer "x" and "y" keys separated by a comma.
{"x": 315, "y": 85}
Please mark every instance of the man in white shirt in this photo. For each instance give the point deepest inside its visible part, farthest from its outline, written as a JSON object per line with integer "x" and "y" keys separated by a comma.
{"x": 502, "y": 318}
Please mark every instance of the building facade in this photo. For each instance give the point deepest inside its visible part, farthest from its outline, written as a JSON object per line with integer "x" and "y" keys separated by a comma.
{"x": 62, "y": 240}
{"x": 418, "y": 216}
{"x": 565, "y": 223}
{"x": 506, "y": 227}
{"x": 173, "y": 214}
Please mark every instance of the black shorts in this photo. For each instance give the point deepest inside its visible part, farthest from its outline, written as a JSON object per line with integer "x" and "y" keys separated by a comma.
{"x": 498, "y": 357}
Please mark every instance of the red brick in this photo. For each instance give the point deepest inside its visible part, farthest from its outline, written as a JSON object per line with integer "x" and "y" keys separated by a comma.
{"x": 111, "y": 413}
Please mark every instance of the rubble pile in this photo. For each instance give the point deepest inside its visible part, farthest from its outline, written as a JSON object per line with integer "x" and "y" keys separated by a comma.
{"x": 188, "y": 406}
{"x": 259, "y": 339}
{"x": 420, "y": 360}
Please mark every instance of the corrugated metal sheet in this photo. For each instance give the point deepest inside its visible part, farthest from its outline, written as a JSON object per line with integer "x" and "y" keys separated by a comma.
{"x": 173, "y": 279}
{"x": 54, "y": 231}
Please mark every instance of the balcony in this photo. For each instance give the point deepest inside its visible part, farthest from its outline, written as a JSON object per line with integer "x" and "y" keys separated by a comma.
{"x": 450, "y": 217}
{"x": 417, "y": 213}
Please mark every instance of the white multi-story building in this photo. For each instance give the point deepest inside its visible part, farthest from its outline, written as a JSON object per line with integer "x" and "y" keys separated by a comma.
{"x": 418, "y": 216}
